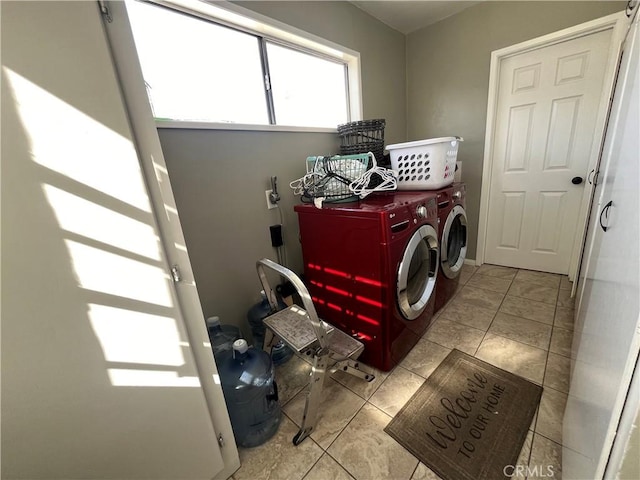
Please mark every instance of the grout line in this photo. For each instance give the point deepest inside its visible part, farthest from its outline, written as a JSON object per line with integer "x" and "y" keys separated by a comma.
{"x": 377, "y": 376}
{"x": 566, "y": 330}
{"x": 544, "y": 373}
{"x": 366, "y": 401}
{"x": 535, "y": 431}
{"x": 550, "y": 439}
{"x": 494, "y": 318}
{"x": 518, "y": 341}
{"x": 345, "y": 427}
{"x": 529, "y": 319}
{"x": 291, "y": 419}
{"x": 409, "y": 371}
{"x": 314, "y": 463}
{"x": 546, "y": 361}
{"x": 532, "y": 300}
{"x": 533, "y": 434}
{"x": 342, "y": 430}
{"x": 336, "y": 460}
{"x": 557, "y": 391}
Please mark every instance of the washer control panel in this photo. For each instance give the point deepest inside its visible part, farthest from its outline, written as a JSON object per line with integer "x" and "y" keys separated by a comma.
{"x": 426, "y": 209}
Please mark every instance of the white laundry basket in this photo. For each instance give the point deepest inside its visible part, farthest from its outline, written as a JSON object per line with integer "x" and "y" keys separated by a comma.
{"x": 425, "y": 164}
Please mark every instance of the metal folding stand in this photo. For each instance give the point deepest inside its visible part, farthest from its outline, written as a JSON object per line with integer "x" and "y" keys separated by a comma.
{"x": 300, "y": 328}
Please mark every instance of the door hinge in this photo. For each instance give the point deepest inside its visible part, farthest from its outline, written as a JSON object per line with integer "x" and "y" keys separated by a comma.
{"x": 221, "y": 440}
{"x": 267, "y": 83}
{"x": 175, "y": 274}
{"x": 105, "y": 11}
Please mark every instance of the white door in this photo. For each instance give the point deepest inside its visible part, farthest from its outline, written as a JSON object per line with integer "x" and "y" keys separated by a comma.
{"x": 546, "y": 116}
{"x": 122, "y": 47}
{"x": 607, "y": 334}
{"x": 105, "y": 373}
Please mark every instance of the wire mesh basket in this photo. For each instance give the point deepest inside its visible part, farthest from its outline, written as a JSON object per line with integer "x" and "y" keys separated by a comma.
{"x": 329, "y": 177}
{"x": 361, "y": 137}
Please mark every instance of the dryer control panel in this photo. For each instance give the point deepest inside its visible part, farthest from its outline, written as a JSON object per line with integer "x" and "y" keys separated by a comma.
{"x": 426, "y": 210}
{"x": 412, "y": 214}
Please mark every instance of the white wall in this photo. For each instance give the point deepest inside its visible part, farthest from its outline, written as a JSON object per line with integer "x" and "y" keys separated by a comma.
{"x": 98, "y": 377}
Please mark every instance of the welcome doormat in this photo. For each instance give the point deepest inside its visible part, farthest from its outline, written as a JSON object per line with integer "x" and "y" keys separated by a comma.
{"x": 468, "y": 420}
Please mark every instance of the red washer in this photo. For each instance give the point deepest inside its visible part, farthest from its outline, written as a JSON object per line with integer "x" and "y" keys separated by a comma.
{"x": 371, "y": 268}
{"x": 452, "y": 236}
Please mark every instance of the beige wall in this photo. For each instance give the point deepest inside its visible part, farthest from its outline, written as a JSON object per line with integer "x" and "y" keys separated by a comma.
{"x": 219, "y": 177}
{"x": 448, "y": 74}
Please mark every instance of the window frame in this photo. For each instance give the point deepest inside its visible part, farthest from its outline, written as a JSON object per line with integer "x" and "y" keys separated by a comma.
{"x": 266, "y": 29}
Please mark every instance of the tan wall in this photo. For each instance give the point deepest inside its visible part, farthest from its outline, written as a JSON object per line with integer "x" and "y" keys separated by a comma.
{"x": 448, "y": 74}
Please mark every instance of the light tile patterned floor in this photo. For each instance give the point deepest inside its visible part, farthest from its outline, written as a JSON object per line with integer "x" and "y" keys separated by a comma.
{"x": 518, "y": 320}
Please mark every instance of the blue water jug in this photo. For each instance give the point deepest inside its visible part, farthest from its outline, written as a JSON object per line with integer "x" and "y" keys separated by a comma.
{"x": 221, "y": 337}
{"x": 251, "y": 394}
{"x": 280, "y": 353}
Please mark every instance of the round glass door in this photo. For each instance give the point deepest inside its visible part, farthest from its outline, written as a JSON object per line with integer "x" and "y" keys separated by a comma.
{"x": 418, "y": 271}
{"x": 454, "y": 242}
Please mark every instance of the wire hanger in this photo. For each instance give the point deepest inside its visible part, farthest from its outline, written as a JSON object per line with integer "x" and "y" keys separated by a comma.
{"x": 388, "y": 180}
{"x": 304, "y": 183}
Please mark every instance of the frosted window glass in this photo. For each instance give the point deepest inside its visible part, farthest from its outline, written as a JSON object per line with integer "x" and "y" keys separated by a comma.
{"x": 196, "y": 70}
{"x": 307, "y": 90}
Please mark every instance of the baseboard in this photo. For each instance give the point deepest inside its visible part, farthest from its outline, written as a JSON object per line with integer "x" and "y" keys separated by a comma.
{"x": 470, "y": 261}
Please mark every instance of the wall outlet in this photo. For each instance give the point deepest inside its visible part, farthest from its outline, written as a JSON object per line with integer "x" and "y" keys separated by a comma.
{"x": 267, "y": 193}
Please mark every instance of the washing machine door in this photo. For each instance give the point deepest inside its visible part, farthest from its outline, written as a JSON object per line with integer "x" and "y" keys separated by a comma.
{"x": 453, "y": 246}
{"x": 417, "y": 272}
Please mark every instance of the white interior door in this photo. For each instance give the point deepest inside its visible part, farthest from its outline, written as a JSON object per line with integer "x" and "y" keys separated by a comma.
{"x": 545, "y": 136}
{"x": 607, "y": 334}
{"x": 121, "y": 43}
{"x": 107, "y": 371}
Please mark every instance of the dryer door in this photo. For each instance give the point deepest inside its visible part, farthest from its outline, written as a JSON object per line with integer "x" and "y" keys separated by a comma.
{"x": 454, "y": 242}
{"x": 417, "y": 273}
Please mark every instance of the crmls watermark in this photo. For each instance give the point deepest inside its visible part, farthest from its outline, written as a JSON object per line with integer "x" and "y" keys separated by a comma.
{"x": 538, "y": 471}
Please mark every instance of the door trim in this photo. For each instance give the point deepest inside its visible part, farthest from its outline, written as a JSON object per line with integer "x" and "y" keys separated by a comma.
{"x": 616, "y": 22}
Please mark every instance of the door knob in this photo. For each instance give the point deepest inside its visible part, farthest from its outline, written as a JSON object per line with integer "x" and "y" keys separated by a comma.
{"x": 576, "y": 180}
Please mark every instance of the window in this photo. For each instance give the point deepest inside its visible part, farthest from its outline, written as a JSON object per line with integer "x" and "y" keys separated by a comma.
{"x": 305, "y": 87}
{"x": 199, "y": 66}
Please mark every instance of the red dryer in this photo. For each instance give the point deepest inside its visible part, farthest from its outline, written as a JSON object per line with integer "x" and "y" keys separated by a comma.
{"x": 371, "y": 268}
{"x": 452, "y": 235}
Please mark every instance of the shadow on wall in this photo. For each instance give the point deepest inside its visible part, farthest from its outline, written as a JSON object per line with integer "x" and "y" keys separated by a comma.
{"x": 89, "y": 331}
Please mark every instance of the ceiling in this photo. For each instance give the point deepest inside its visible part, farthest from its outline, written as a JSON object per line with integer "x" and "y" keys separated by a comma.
{"x": 408, "y": 16}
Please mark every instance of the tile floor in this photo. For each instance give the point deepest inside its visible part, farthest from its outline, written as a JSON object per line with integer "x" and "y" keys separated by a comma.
{"x": 518, "y": 320}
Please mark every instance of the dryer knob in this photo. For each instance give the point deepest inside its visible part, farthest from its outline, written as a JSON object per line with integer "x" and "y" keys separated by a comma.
{"x": 457, "y": 195}
{"x": 421, "y": 211}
